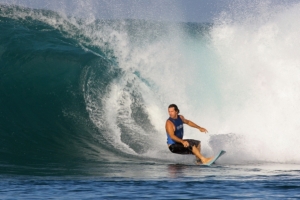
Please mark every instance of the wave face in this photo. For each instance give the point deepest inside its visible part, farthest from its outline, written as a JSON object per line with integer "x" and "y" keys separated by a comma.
{"x": 43, "y": 114}
{"x": 73, "y": 92}
{"x": 80, "y": 91}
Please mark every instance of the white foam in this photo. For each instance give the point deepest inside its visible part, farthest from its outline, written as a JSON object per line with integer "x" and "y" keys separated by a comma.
{"x": 260, "y": 70}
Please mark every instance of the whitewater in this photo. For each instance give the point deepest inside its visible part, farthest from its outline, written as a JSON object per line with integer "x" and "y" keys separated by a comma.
{"x": 84, "y": 102}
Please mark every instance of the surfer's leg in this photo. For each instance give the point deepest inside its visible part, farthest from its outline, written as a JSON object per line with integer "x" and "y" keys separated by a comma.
{"x": 195, "y": 148}
{"x": 197, "y": 159}
{"x": 197, "y": 145}
{"x": 198, "y": 155}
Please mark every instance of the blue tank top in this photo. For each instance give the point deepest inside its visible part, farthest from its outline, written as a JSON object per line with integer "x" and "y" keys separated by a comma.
{"x": 178, "y": 123}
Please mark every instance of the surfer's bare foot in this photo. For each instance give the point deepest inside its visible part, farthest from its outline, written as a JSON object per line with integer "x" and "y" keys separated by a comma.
{"x": 207, "y": 160}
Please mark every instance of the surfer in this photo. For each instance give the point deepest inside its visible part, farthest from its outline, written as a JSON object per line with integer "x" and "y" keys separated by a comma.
{"x": 174, "y": 128}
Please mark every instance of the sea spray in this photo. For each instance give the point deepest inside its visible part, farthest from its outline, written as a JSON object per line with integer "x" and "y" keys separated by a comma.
{"x": 260, "y": 74}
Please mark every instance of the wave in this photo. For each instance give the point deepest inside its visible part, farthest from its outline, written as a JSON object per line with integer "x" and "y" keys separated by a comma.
{"x": 80, "y": 91}
{"x": 43, "y": 111}
{"x": 69, "y": 92}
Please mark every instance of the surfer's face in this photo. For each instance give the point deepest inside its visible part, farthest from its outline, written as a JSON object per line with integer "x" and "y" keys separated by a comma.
{"x": 172, "y": 112}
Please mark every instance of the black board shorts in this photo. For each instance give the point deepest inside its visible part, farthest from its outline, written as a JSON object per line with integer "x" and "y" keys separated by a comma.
{"x": 180, "y": 149}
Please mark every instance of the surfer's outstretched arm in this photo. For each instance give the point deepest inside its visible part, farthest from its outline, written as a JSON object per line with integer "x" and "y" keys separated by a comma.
{"x": 192, "y": 124}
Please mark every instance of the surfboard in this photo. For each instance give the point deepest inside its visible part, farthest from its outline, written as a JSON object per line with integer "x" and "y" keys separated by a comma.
{"x": 222, "y": 152}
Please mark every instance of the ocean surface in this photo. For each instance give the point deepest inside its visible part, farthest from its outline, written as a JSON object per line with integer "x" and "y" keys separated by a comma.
{"x": 83, "y": 104}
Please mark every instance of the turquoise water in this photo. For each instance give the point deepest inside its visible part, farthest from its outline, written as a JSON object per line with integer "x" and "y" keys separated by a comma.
{"x": 83, "y": 105}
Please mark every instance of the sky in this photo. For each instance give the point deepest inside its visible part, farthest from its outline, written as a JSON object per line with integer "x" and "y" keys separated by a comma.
{"x": 161, "y": 10}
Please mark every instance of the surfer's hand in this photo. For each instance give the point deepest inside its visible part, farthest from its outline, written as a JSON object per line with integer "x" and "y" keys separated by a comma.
{"x": 203, "y": 130}
{"x": 185, "y": 144}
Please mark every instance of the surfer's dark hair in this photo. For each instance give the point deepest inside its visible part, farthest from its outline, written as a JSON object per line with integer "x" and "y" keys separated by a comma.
{"x": 175, "y": 107}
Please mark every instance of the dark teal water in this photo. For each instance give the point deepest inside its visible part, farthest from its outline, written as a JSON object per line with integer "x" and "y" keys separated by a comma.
{"x": 43, "y": 113}
{"x": 58, "y": 117}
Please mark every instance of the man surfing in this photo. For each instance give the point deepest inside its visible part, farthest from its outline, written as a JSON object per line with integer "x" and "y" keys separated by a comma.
{"x": 174, "y": 128}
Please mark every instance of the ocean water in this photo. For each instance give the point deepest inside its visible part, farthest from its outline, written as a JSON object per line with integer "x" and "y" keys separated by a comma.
{"x": 83, "y": 104}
